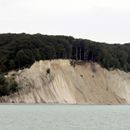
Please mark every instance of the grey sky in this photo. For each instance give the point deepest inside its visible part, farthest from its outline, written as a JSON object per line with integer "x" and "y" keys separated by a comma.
{"x": 99, "y": 20}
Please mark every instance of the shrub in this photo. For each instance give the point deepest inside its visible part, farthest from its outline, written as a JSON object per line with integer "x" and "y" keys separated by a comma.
{"x": 7, "y": 86}
{"x": 48, "y": 71}
{"x": 13, "y": 86}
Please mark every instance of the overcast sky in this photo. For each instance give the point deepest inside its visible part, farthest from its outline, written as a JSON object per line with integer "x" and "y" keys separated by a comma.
{"x": 99, "y": 20}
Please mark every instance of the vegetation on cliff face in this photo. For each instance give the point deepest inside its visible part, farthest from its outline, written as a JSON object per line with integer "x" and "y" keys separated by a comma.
{"x": 7, "y": 86}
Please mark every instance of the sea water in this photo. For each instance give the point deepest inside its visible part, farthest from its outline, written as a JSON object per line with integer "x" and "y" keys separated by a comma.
{"x": 64, "y": 117}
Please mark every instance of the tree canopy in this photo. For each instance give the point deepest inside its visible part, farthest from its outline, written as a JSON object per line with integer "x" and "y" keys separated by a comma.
{"x": 22, "y": 50}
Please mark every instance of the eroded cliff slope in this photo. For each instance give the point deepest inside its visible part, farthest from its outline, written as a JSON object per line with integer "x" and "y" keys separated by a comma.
{"x": 57, "y": 81}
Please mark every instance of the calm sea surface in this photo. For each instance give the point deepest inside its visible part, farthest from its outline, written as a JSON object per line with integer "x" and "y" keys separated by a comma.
{"x": 64, "y": 117}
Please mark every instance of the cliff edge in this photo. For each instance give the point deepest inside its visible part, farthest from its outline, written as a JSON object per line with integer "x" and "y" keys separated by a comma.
{"x": 59, "y": 81}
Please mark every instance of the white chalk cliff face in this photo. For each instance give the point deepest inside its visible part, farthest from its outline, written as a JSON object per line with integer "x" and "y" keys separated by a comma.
{"x": 57, "y": 81}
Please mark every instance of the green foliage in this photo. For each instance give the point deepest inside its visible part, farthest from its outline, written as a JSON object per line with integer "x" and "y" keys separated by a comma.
{"x": 11, "y": 64}
{"x": 21, "y": 50}
{"x": 7, "y": 86}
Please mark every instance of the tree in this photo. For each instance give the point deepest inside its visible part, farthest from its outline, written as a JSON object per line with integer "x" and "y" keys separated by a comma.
{"x": 11, "y": 64}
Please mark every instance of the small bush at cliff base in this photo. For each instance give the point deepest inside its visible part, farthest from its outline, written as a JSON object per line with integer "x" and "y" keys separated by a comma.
{"x": 13, "y": 86}
{"x": 7, "y": 86}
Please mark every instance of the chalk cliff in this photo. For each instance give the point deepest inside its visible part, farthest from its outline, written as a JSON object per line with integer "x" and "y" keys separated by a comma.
{"x": 58, "y": 81}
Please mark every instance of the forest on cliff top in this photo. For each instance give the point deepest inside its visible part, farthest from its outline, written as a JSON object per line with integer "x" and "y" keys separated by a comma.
{"x": 22, "y": 50}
